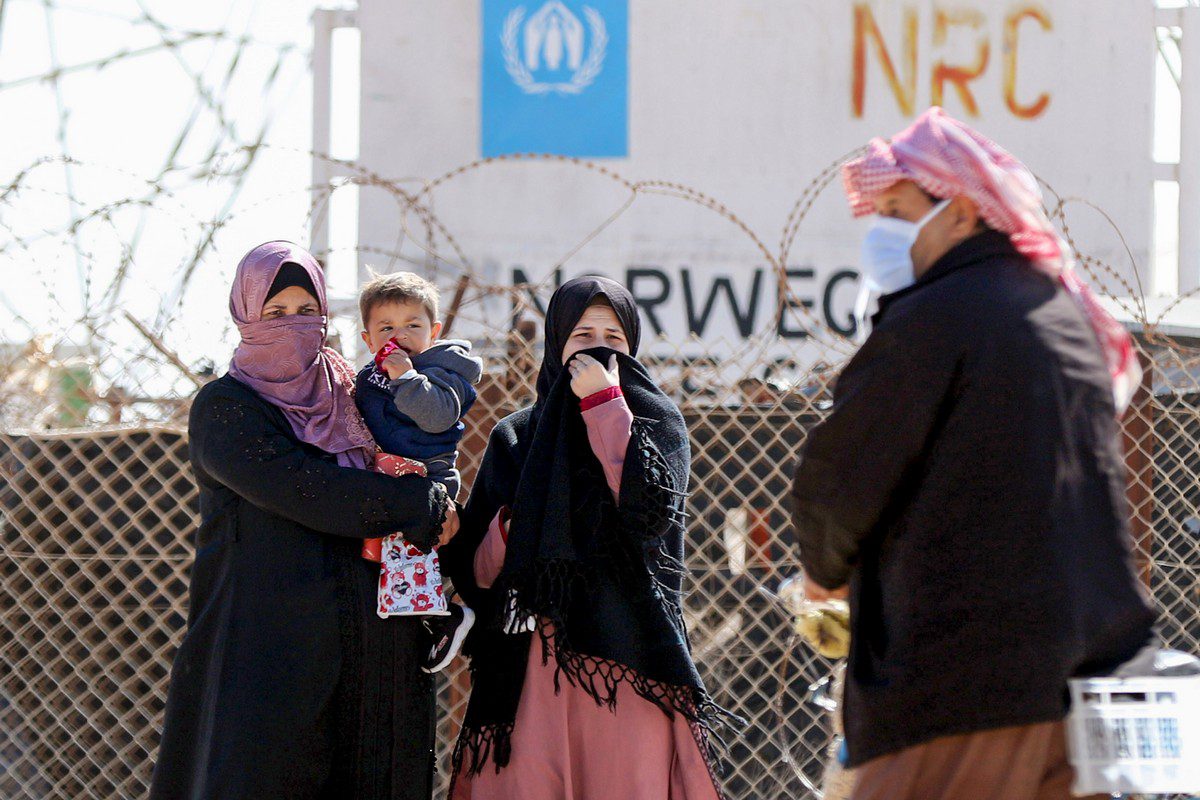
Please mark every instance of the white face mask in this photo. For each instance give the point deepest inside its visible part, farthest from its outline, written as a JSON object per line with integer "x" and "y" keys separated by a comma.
{"x": 887, "y": 252}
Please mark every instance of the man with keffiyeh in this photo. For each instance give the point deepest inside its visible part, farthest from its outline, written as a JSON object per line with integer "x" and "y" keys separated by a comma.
{"x": 967, "y": 490}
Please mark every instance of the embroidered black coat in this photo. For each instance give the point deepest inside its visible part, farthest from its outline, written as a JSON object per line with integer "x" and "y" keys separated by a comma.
{"x": 287, "y": 685}
{"x": 969, "y": 485}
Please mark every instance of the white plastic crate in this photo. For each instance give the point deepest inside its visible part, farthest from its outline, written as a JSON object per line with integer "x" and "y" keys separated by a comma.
{"x": 1135, "y": 734}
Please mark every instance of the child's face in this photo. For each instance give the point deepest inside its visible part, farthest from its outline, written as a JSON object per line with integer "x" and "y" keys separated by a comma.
{"x": 408, "y": 323}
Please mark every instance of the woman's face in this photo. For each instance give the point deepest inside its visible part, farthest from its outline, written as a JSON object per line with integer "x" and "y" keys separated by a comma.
{"x": 598, "y": 327}
{"x": 291, "y": 301}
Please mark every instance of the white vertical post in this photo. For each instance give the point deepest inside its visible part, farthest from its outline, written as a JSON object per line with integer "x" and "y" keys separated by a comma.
{"x": 322, "y": 65}
{"x": 1189, "y": 151}
{"x": 324, "y": 21}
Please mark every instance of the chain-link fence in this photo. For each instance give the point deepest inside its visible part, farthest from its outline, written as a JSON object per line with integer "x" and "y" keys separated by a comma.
{"x": 98, "y": 505}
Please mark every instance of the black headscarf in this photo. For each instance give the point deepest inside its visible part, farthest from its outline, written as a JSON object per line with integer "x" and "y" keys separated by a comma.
{"x": 562, "y": 315}
{"x": 291, "y": 274}
{"x": 600, "y": 582}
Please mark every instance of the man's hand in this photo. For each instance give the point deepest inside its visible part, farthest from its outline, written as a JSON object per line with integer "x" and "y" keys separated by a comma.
{"x": 589, "y": 376}
{"x": 819, "y": 594}
{"x": 450, "y": 526}
{"x": 396, "y": 364}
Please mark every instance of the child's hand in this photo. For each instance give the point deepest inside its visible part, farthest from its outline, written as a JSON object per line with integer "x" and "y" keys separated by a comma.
{"x": 396, "y": 364}
{"x": 589, "y": 376}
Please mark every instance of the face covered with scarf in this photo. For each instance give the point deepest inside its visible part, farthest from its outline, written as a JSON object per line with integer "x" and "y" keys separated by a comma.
{"x": 283, "y": 357}
{"x": 979, "y": 184}
{"x": 587, "y": 313}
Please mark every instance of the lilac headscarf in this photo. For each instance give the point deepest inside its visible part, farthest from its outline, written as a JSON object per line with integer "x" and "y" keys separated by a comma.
{"x": 286, "y": 361}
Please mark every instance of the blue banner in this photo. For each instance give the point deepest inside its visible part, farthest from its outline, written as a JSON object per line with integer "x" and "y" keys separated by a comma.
{"x": 555, "y": 77}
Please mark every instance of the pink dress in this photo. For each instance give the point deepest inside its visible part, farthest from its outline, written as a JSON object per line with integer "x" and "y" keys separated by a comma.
{"x": 564, "y": 746}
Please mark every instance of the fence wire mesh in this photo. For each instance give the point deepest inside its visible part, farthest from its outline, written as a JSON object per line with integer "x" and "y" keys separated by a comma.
{"x": 99, "y": 507}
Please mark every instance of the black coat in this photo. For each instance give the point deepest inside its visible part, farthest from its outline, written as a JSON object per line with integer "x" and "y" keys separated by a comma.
{"x": 969, "y": 485}
{"x": 287, "y": 685}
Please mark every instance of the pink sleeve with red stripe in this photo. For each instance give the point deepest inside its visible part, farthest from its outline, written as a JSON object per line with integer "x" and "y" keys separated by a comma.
{"x": 609, "y": 424}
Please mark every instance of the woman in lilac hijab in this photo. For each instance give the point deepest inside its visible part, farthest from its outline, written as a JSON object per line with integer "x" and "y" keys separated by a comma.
{"x": 287, "y": 685}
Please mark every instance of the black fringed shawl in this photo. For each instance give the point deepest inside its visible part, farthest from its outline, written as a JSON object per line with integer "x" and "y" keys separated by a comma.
{"x": 601, "y": 579}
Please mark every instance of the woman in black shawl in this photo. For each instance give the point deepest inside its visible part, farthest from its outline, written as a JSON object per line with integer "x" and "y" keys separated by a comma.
{"x": 571, "y": 552}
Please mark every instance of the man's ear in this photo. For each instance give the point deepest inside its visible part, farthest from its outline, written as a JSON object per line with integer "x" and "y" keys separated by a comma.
{"x": 966, "y": 216}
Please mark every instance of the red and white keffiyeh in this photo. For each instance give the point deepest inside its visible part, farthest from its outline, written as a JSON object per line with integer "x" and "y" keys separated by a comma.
{"x": 947, "y": 158}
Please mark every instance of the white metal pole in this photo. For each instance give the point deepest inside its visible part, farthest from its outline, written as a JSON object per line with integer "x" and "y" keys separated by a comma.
{"x": 1189, "y": 151}
{"x": 323, "y": 22}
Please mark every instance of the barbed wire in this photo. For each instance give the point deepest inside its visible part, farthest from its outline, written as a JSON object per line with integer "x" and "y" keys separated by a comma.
{"x": 100, "y": 451}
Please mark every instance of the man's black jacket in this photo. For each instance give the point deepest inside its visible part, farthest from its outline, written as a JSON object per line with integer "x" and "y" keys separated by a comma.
{"x": 969, "y": 486}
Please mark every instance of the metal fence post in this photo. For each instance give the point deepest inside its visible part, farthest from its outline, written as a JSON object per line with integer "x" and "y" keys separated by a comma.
{"x": 1189, "y": 151}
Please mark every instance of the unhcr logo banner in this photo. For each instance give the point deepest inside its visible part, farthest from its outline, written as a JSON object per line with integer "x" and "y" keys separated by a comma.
{"x": 555, "y": 77}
